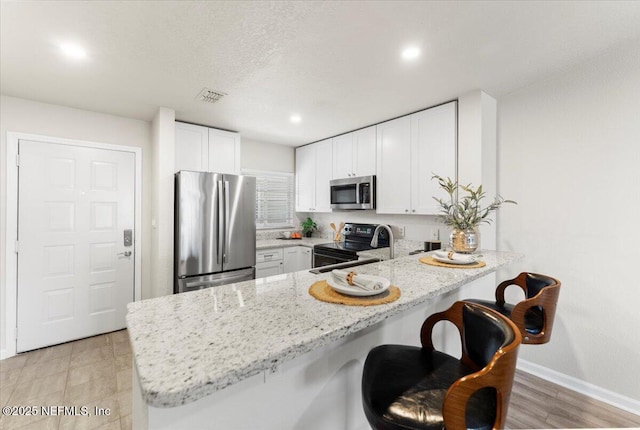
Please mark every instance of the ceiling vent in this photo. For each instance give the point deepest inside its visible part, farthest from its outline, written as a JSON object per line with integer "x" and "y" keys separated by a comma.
{"x": 210, "y": 96}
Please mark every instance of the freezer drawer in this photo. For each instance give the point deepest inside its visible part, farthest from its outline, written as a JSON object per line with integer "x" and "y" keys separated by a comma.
{"x": 199, "y": 282}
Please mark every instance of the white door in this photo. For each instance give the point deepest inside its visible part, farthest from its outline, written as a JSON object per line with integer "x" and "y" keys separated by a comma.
{"x": 75, "y": 272}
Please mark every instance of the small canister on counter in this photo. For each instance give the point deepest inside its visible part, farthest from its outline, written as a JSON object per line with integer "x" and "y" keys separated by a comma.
{"x": 432, "y": 246}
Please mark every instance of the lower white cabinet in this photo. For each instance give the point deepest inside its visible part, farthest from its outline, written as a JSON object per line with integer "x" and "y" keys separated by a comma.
{"x": 269, "y": 262}
{"x": 276, "y": 261}
{"x": 297, "y": 258}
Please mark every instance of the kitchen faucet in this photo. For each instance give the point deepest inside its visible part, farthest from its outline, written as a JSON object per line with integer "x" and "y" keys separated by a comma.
{"x": 374, "y": 241}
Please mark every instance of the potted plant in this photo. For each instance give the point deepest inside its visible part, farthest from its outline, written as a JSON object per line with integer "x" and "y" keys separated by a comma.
{"x": 465, "y": 213}
{"x": 308, "y": 227}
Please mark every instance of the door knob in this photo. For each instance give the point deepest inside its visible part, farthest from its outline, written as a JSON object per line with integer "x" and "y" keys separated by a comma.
{"x": 125, "y": 254}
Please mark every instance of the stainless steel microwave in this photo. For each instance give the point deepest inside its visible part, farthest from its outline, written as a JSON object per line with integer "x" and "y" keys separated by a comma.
{"x": 353, "y": 193}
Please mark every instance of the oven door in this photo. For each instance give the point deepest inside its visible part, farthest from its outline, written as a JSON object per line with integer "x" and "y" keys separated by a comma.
{"x": 324, "y": 257}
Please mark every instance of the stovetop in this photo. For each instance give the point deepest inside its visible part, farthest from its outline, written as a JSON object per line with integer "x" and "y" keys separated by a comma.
{"x": 345, "y": 246}
{"x": 357, "y": 237}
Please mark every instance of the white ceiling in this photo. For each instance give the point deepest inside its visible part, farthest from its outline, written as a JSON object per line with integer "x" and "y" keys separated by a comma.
{"x": 337, "y": 64}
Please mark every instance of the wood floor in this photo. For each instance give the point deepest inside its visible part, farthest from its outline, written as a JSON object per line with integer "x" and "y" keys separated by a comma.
{"x": 537, "y": 404}
{"x": 97, "y": 372}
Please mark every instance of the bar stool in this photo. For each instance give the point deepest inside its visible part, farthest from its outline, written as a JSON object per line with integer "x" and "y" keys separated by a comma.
{"x": 407, "y": 387}
{"x": 533, "y": 316}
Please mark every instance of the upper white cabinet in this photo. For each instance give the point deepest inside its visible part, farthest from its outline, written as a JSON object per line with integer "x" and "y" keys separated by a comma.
{"x": 410, "y": 150}
{"x": 394, "y": 166}
{"x": 314, "y": 170}
{"x": 224, "y": 151}
{"x": 354, "y": 154}
{"x": 192, "y": 147}
{"x": 433, "y": 151}
{"x": 206, "y": 149}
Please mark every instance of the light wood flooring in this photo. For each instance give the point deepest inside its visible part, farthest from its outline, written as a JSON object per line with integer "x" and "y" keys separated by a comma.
{"x": 97, "y": 372}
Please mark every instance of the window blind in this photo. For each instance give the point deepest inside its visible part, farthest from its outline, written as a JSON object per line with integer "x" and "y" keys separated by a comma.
{"x": 274, "y": 199}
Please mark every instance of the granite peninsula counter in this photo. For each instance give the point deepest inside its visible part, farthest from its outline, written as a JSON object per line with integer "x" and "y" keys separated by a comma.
{"x": 189, "y": 346}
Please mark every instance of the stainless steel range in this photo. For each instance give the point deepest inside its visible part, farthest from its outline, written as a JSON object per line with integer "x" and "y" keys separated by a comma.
{"x": 357, "y": 237}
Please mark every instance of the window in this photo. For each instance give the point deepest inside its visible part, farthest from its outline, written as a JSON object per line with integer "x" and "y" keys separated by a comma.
{"x": 274, "y": 199}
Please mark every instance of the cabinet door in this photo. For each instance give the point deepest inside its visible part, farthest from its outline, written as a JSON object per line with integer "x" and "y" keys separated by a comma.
{"x": 305, "y": 178}
{"x": 270, "y": 268}
{"x": 324, "y": 174}
{"x": 224, "y": 152}
{"x": 305, "y": 258}
{"x": 394, "y": 166}
{"x": 343, "y": 156}
{"x": 364, "y": 152}
{"x": 192, "y": 147}
{"x": 433, "y": 150}
{"x": 291, "y": 259}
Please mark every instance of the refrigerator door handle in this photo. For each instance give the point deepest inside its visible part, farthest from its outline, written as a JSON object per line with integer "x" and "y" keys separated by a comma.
{"x": 227, "y": 237}
{"x": 221, "y": 221}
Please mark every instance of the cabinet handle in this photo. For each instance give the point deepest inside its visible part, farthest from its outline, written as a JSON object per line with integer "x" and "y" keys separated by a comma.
{"x": 406, "y": 210}
{"x": 413, "y": 210}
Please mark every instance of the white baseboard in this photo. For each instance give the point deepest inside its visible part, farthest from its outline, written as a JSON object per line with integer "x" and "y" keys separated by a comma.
{"x": 4, "y": 353}
{"x": 614, "y": 399}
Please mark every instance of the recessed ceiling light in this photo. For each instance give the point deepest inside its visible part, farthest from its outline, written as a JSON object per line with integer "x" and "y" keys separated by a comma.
{"x": 410, "y": 53}
{"x": 295, "y": 119}
{"x": 72, "y": 50}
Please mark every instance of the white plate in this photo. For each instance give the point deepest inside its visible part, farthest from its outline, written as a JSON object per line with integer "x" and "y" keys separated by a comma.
{"x": 355, "y": 291}
{"x": 448, "y": 261}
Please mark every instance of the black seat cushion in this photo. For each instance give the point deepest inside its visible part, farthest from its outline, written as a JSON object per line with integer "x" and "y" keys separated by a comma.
{"x": 533, "y": 317}
{"x": 403, "y": 387}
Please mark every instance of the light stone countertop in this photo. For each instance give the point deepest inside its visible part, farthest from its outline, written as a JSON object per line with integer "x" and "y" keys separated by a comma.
{"x": 187, "y": 346}
{"x": 309, "y": 242}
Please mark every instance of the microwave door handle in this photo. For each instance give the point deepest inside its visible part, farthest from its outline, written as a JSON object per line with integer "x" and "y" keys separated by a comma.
{"x": 358, "y": 194}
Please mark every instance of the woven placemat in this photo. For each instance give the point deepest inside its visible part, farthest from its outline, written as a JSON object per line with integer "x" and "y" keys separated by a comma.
{"x": 433, "y": 262}
{"x": 323, "y": 292}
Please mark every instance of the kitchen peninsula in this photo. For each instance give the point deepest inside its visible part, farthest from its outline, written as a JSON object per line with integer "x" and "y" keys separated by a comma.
{"x": 264, "y": 354}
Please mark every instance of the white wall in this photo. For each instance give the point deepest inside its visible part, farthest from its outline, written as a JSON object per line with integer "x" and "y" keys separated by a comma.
{"x": 19, "y": 115}
{"x": 162, "y": 201}
{"x": 569, "y": 153}
{"x": 266, "y": 156}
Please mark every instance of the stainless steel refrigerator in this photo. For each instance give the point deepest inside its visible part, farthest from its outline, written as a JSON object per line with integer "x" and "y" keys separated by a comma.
{"x": 215, "y": 229}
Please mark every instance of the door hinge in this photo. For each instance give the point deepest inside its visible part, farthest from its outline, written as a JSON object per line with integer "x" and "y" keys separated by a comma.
{"x": 17, "y": 246}
{"x": 18, "y": 160}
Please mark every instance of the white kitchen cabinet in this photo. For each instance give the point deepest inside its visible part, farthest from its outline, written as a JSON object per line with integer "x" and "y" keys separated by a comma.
{"x": 224, "y": 151}
{"x": 410, "y": 150}
{"x": 393, "y": 180}
{"x": 192, "y": 147}
{"x": 269, "y": 268}
{"x": 269, "y": 262}
{"x": 433, "y": 150}
{"x": 206, "y": 149}
{"x": 314, "y": 170}
{"x": 297, "y": 258}
{"x": 354, "y": 154}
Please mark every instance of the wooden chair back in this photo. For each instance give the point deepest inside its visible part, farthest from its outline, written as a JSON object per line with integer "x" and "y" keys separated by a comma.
{"x": 498, "y": 373}
{"x": 540, "y": 291}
